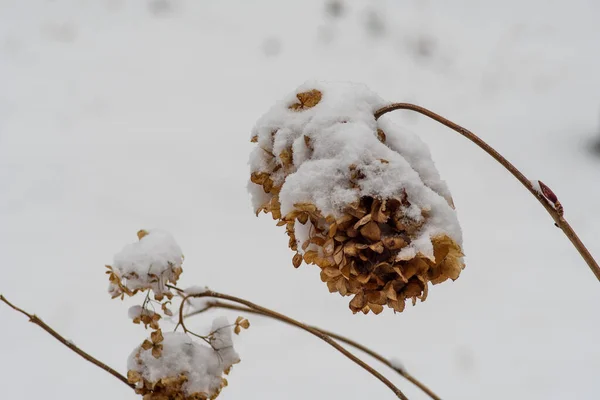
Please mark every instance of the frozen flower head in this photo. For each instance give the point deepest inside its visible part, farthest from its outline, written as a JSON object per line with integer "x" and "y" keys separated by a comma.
{"x": 174, "y": 366}
{"x": 148, "y": 264}
{"x": 359, "y": 198}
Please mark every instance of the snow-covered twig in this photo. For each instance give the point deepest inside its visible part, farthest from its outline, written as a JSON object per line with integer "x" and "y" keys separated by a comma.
{"x": 554, "y": 212}
{"x": 340, "y": 338}
{"x": 34, "y": 319}
{"x": 291, "y": 321}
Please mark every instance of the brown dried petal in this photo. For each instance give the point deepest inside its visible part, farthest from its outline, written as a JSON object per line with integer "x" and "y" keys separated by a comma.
{"x": 345, "y": 270}
{"x": 341, "y": 287}
{"x": 286, "y": 157}
{"x": 377, "y": 247}
{"x": 157, "y": 350}
{"x": 156, "y": 336}
{"x": 303, "y": 218}
{"x": 307, "y": 100}
{"x": 389, "y": 291}
{"x": 332, "y": 286}
{"x": 371, "y": 231}
{"x": 338, "y": 255}
{"x": 413, "y": 288}
{"x": 297, "y": 260}
{"x": 310, "y": 256}
{"x": 377, "y": 211}
{"x": 133, "y": 376}
{"x": 362, "y": 221}
{"x": 350, "y": 249}
{"x": 376, "y": 308}
{"x": 394, "y": 242}
{"x": 332, "y": 272}
{"x": 357, "y": 302}
{"x": 363, "y": 278}
{"x": 147, "y": 345}
{"x": 311, "y": 208}
{"x": 332, "y": 230}
{"x": 328, "y": 247}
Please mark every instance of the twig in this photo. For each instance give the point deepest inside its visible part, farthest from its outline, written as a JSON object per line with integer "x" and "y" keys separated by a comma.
{"x": 300, "y": 325}
{"x": 33, "y": 318}
{"x": 558, "y": 218}
{"x": 372, "y": 353}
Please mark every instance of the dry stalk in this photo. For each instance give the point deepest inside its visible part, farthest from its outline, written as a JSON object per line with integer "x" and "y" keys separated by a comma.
{"x": 554, "y": 213}
{"x": 34, "y": 319}
{"x": 343, "y": 339}
{"x": 298, "y": 324}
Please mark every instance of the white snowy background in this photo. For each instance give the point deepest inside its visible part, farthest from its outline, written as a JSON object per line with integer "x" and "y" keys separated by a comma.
{"x": 119, "y": 115}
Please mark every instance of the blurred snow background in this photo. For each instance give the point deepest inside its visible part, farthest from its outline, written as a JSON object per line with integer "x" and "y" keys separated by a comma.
{"x": 119, "y": 115}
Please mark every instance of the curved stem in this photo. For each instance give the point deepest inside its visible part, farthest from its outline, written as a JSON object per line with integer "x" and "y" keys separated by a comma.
{"x": 557, "y": 216}
{"x": 33, "y": 318}
{"x": 343, "y": 339}
{"x": 300, "y": 325}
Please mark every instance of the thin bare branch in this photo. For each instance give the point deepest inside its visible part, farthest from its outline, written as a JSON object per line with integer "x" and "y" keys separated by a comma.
{"x": 556, "y": 215}
{"x": 34, "y": 319}
{"x": 300, "y": 325}
{"x": 343, "y": 339}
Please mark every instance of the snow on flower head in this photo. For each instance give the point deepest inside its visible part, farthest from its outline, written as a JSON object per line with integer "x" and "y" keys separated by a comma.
{"x": 150, "y": 263}
{"x": 183, "y": 368}
{"x": 360, "y": 198}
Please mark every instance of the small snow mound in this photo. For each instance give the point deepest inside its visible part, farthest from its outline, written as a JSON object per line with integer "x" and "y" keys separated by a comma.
{"x": 397, "y": 364}
{"x": 197, "y": 303}
{"x": 150, "y": 263}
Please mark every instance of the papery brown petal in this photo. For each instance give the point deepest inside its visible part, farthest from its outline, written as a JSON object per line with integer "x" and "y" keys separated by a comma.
{"x": 310, "y": 256}
{"x": 156, "y": 336}
{"x": 133, "y": 376}
{"x": 328, "y": 247}
{"x": 157, "y": 350}
{"x": 376, "y": 308}
{"x": 377, "y": 247}
{"x": 371, "y": 231}
{"x": 307, "y": 100}
{"x": 362, "y": 221}
{"x": 147, "y": 345}
{"x": 297, "y": 260}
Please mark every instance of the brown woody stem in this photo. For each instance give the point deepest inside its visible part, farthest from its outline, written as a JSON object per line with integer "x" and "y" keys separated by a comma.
{"x": 402, "y": 372}
{"x": 34, "y": 319}
{"x": 300, "y": 325}
{"x": 558, "y": 218}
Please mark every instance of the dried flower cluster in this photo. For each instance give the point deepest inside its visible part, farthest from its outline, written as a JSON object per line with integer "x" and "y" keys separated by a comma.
{"x": 170, "y": 366}
{"x": 175, "y": 367}
{"x": 358, "y": 198}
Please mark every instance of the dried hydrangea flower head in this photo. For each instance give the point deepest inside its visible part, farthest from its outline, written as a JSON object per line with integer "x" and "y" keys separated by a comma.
{"x": 148, "y": 264}
{"x": 174, "y": 366}
{"x": 359, "y": 197}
